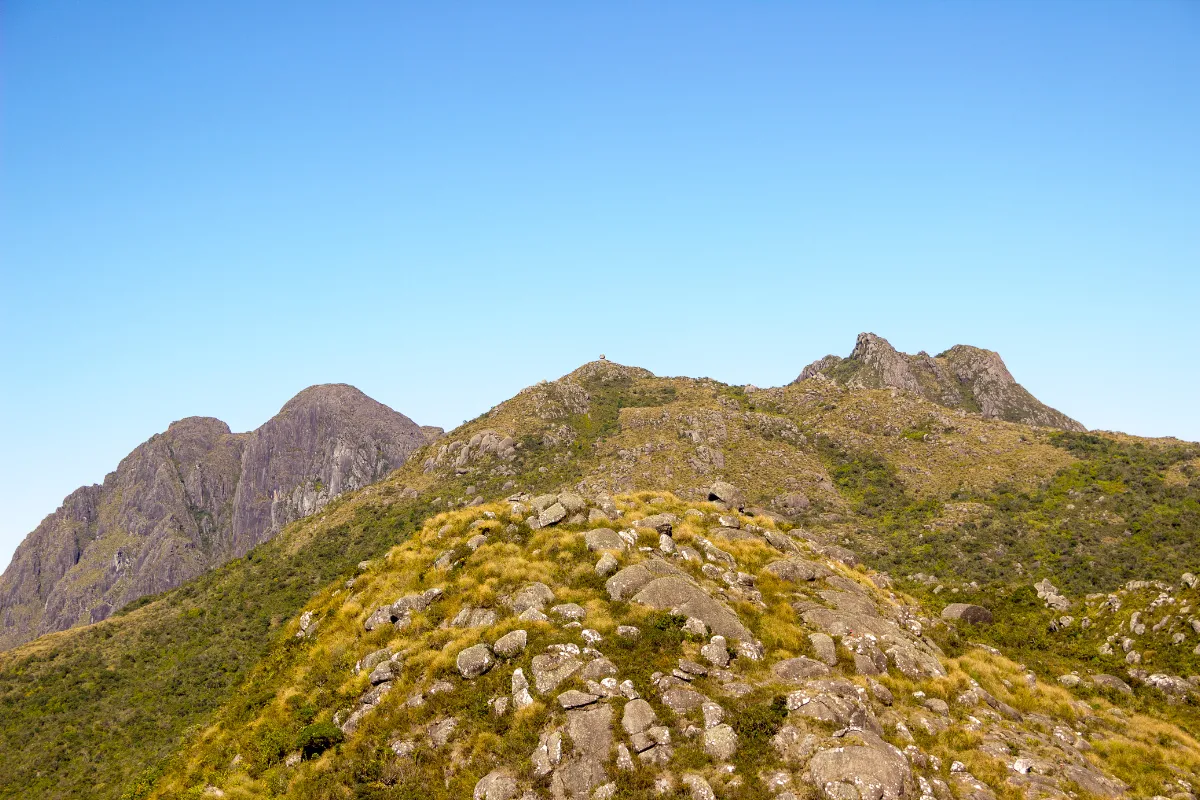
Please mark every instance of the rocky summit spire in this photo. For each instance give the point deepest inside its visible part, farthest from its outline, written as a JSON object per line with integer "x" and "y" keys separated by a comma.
{"x": 964, "y": 377}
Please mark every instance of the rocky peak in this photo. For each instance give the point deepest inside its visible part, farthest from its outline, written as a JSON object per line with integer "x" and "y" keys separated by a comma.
{"x": 191, "y": 498}
{"x": 964, "y": 377}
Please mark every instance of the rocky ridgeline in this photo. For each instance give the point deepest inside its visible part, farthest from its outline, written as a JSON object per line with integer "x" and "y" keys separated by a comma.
{"x": 963, "y": 377}
{"x": 642, "y": 646}
{"x": 460, "y": 454}
{"x": 192, "y": 498}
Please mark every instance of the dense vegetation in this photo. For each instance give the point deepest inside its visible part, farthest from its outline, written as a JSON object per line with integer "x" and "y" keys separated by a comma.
{"x": 84, "y": 713}
{"x": 1111, "y": 517}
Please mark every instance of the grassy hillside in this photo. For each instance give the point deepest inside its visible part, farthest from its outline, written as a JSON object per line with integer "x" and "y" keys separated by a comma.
{"x": 912, "y": 487}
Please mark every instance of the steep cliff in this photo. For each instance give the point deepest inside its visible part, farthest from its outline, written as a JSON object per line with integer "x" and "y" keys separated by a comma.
{"x": 192, "y": 498}
{"x": 964, "y": 377}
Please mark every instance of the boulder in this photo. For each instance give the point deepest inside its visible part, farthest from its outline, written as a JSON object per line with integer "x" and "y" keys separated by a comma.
{"x": 627, "y": 582}
{"x": 720, "y": 742}
{"x": 663, "y": 523}
{"x": 572, "y": 612}
{"x": 637, "y": 716}
{"x": 590, "y": 730}
{"x": 677, "y": 592}
{"x": 576, "y": 778}
{"x": 727, "y": 493}
{"x": 795, "y": 570}
{"x": 603, "y": 539}
{"x": 1111, "y": 682}
{"x": 533, "y": 595}
{"x": 474, "y": 618}
{"x": 876, "y": 773}
{"x": 681, "y": 700}
{"x": 496, "y": 785}
{"x": 573, "y": 698}
{"x": 552, "y": 515}
{"x": 511, "y": 643}
{"x": 474, "y": 661}
{"x": 607, "y": 565}
{"x": 573, "y": 503}
{"x": 551, "y": 669}
{"x": 967, "y": 612}
{"x": 824, "y": 648}
{"x": 798, "y": 669}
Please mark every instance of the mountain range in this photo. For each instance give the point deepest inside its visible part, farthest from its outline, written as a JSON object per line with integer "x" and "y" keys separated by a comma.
{"x": 897, "y": 577}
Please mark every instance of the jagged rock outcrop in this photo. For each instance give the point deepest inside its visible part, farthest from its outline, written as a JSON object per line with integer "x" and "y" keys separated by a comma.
{"x": 964, "y": 377}
{"x": 194, "y": 497}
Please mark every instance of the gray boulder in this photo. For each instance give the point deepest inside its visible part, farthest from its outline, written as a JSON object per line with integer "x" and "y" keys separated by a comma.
{"x": 677, "y": 592}
{"x": 552, "y": 515}
{"x": 824, "y": 648}
{"x": 727, "y": 493}
{"x": 720, "y": 742}
{"x": 607, "y": 565}
{"x": 967, "y": 612}
{"x": 551, "y": 669}
{"x": 496, "y": 785}
{"x": 875, "y": 773}
{"x": 474, "y": 661}
{"x": 511, "y": 643}
{"x": 798, "y": 669}
{"x": 796, "y": 570}
{"x": 533, "y": 595}
{"x": 603, "y": 539}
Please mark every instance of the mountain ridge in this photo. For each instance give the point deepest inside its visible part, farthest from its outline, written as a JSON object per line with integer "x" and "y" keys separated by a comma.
{"x": 193, "y": 497}
{"x": 963, "y": 376}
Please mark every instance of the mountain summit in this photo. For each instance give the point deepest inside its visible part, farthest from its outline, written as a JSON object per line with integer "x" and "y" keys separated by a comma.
{"x": 192, "y": 498}
{"x": 965, "y": 377}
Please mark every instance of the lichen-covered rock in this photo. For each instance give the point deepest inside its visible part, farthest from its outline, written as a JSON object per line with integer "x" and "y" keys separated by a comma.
{"x": 797, "y": 570}
{"x": 532, "y": 596}
{"x": 511, "y": 643}
{"x": 474, "y": 661}
{"x": 728, "y": 494}
{"x": 496, "y": 785}
{"x": 799, "y": 668}
{"x": 603, "y": 539}
{"x": 875, "y": 773}
{"x": 637, "y": 716}
{"x": 824, "y": 648}
{"x": 677, "y": 592}
{"x": 720, "y": 742}
{"x": 551, "y": 669}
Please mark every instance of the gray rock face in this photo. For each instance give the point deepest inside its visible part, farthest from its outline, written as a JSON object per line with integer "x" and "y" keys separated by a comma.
{"x": 193, "y": 498}
{"x": 962, "y": 377}
{"x": 675, "y": 591}
{"x": 876, "y": 773}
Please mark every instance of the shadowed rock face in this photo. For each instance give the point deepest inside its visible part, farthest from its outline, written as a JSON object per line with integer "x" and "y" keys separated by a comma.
{"x": 962, "y": 377}
{"x": 192, "y": 498}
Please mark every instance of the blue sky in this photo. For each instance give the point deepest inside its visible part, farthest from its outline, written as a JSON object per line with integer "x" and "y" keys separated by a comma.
{"x": 205, "y": 207}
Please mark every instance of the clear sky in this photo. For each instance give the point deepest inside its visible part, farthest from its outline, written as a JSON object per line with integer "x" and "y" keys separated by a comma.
{"x": 207, "y": 206}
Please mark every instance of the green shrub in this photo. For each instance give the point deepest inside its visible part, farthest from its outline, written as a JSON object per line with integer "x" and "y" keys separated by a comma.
{"x": 319, "y": 737}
